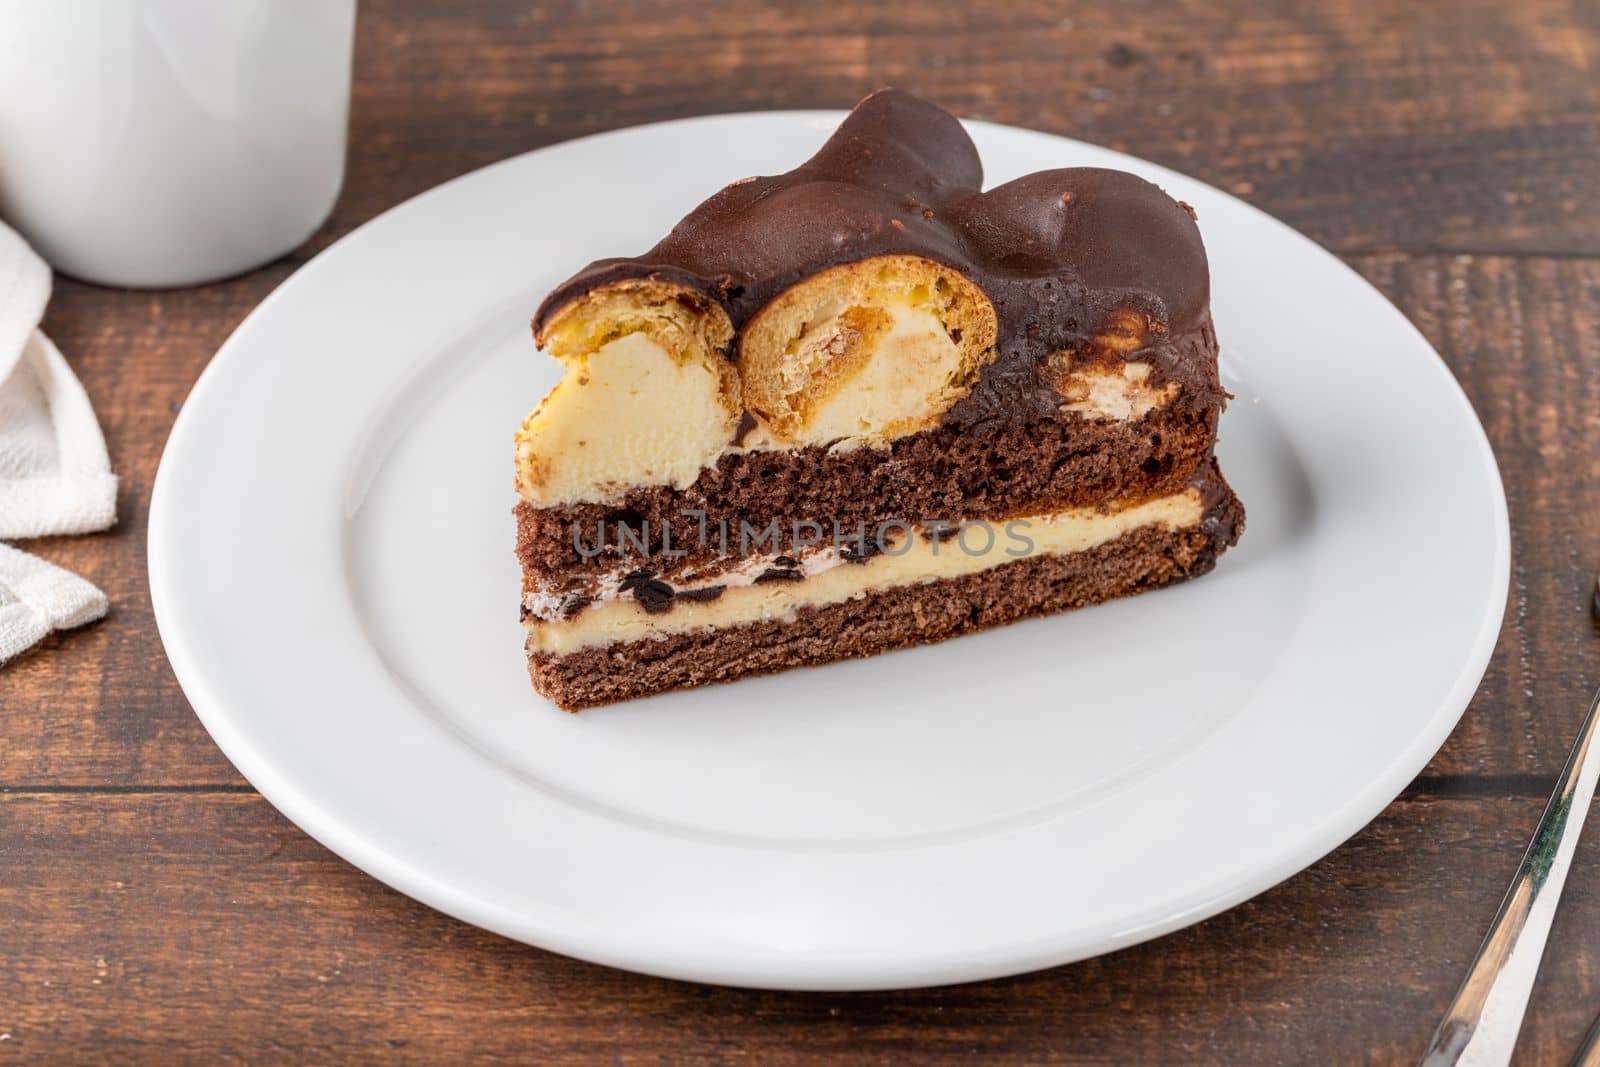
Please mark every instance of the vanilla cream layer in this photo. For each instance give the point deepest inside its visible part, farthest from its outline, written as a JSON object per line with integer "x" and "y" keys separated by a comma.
{"x": 547, "y": 601}
{"x": 918, "y": 560}
{"x": 631, "y": 415}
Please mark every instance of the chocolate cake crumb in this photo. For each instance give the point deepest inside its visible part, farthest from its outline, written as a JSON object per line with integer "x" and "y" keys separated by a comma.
{"x": 859, "y": 551}
{"x": 654, "y": 595}
{"x": 705, "y": 595}
{"x": 635, "y": 578}
{"x": 780, "y": 574}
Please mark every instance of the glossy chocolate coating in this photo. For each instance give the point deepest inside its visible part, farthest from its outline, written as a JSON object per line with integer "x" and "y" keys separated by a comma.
{"x": 1058, "y": 252}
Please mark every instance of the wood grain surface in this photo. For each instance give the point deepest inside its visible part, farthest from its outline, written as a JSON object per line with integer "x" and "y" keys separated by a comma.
{"x": 154, "y": 909}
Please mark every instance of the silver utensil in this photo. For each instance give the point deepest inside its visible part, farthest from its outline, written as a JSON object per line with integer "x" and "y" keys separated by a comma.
{"x": 1480, "y": 1029}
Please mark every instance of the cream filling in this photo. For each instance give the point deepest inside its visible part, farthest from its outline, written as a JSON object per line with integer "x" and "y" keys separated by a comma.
{"x": 901, "y": 383}
{"x": 1121, "y": 396}
{"x": 979, "y": 547}
{"x": 631, "y": 415}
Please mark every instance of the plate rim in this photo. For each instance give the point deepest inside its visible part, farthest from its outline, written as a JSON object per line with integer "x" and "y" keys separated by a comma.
{"x": 1223, "y": 893}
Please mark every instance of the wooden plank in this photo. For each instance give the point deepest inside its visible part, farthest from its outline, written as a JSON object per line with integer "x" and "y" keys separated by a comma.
{"x": 1522, "y": 336}
{"x": 1429, "y": 126}
{"x": 153, "y": 908}
{"x": 102, "y": 707}
{"x": 203, "y": 929}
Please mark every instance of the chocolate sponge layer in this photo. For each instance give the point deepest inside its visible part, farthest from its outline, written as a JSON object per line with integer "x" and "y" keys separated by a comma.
{"x": 941, "y": 474}
{"x": 1141, "y": 559}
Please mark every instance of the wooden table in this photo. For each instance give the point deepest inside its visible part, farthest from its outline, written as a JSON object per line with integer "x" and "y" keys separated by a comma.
{"x": 154, "y": 907}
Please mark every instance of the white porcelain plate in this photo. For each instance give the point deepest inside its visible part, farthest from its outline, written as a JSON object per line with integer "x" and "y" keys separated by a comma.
{"x": 331, "y": 562}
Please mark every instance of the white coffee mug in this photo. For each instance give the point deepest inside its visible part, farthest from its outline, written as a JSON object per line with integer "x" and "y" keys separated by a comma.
{"x": 155, "y": 143}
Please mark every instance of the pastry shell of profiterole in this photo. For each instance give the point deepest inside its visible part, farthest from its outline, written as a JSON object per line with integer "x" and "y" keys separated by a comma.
{"x": 817, "y": 342}
{"x": 1065, "y": 257}
{"x": 1071, "y": 291}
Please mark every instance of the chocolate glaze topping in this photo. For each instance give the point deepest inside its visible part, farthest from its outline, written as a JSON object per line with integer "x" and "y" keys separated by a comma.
{"x": 1058, "y": 252}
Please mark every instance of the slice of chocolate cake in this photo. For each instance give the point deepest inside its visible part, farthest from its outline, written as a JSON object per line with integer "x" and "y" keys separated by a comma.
{"x": 864, "y": 405}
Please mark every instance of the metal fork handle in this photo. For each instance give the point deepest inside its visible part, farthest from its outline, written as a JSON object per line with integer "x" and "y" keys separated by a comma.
{"x": 1588, "y": 1054}
{"x": 1480, "y": 1029}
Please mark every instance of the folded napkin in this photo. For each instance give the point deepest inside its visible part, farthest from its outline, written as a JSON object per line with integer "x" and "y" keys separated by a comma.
{"x": 55, "y": 477}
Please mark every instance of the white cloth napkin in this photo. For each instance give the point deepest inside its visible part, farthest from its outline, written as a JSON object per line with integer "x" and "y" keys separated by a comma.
{"x": 55, "y": 477}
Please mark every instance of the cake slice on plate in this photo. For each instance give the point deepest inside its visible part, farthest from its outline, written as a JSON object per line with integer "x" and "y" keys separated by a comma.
{"x": 864, "y": 405}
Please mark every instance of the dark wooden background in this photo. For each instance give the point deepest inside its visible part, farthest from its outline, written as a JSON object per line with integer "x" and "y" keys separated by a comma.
{"x": 154, "y": 908}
